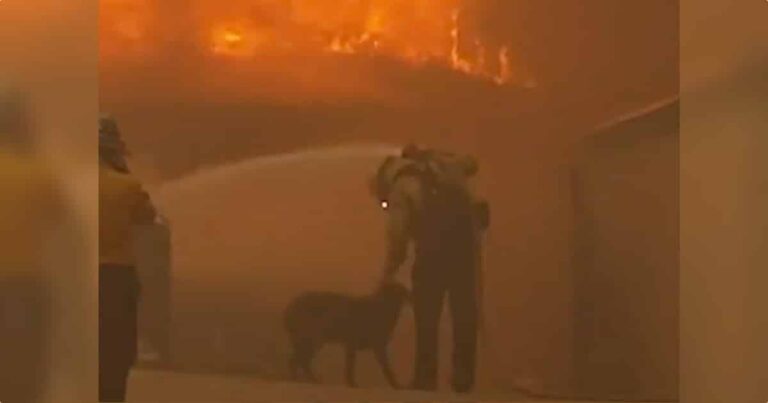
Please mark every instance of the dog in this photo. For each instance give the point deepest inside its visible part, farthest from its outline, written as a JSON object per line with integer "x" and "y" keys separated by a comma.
{"x": 315, "y": 319}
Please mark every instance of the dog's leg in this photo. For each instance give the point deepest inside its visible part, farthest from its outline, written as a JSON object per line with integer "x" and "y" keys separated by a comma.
{"x": 309, "y": 355}
{"x": 351, "y": 354}
{"x": 383, "y": 358}
{"x": 293, "y": 364}
{"x": 301, "y": 361}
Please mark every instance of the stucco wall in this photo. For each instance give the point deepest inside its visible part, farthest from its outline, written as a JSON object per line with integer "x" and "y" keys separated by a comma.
{"x": 626, "y": 259}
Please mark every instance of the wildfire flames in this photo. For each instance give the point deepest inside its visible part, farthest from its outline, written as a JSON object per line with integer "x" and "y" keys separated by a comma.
{"x": 413, "y": 32}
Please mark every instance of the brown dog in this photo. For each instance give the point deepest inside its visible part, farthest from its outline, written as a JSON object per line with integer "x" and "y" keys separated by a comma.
{"x": 358, "y": 323}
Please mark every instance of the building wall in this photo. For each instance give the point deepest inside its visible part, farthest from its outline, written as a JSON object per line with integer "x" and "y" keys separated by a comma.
{"x": 626, "y": 259}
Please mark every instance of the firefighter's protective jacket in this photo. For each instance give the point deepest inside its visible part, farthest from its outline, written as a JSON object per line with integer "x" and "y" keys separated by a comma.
{"x": 123, "y": 204}
{"x": 405, "y": 202}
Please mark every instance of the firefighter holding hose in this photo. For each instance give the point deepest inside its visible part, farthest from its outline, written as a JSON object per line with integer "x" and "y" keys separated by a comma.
{"x": 428, "y": 201}
{"x": 123, "y": 205}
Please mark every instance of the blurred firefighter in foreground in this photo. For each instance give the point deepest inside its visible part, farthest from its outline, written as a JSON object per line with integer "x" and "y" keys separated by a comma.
{"x": 123, "y": 205}
{"x": 30, "y": 207}
{"x": 428, "y": 200}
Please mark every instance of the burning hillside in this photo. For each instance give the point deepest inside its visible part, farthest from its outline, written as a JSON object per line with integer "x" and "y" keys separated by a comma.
{"x": 414, "y": 33}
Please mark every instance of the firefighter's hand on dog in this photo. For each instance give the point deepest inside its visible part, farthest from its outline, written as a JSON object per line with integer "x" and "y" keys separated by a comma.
{"x": 387, "y": 278}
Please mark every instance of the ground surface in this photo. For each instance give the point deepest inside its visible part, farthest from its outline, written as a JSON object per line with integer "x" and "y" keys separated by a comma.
{"x": 158, "y": 386}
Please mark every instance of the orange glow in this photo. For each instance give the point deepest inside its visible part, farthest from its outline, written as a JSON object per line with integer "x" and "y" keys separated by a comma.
{"x": 229, "y": 41}
{"x": 505, "y": 73}
{"x": 232, "y": 37}
{"x": 413, "y": 32}
{"x": 124, "y": 26}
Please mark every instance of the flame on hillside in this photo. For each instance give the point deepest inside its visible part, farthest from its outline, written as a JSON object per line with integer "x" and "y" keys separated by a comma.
{"x": 413, "y": 32}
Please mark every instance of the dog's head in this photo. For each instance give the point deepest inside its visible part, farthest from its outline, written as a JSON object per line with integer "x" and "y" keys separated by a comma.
{"x": 394, "y": 292}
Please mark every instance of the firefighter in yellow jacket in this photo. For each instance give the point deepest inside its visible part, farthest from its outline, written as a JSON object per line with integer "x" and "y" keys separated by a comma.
{"x": 123, "y": 205}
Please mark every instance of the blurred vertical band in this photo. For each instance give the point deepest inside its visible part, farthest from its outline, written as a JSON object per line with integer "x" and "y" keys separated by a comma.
{"x": 724, "y": 183}
{"x": 48, "y": 117}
